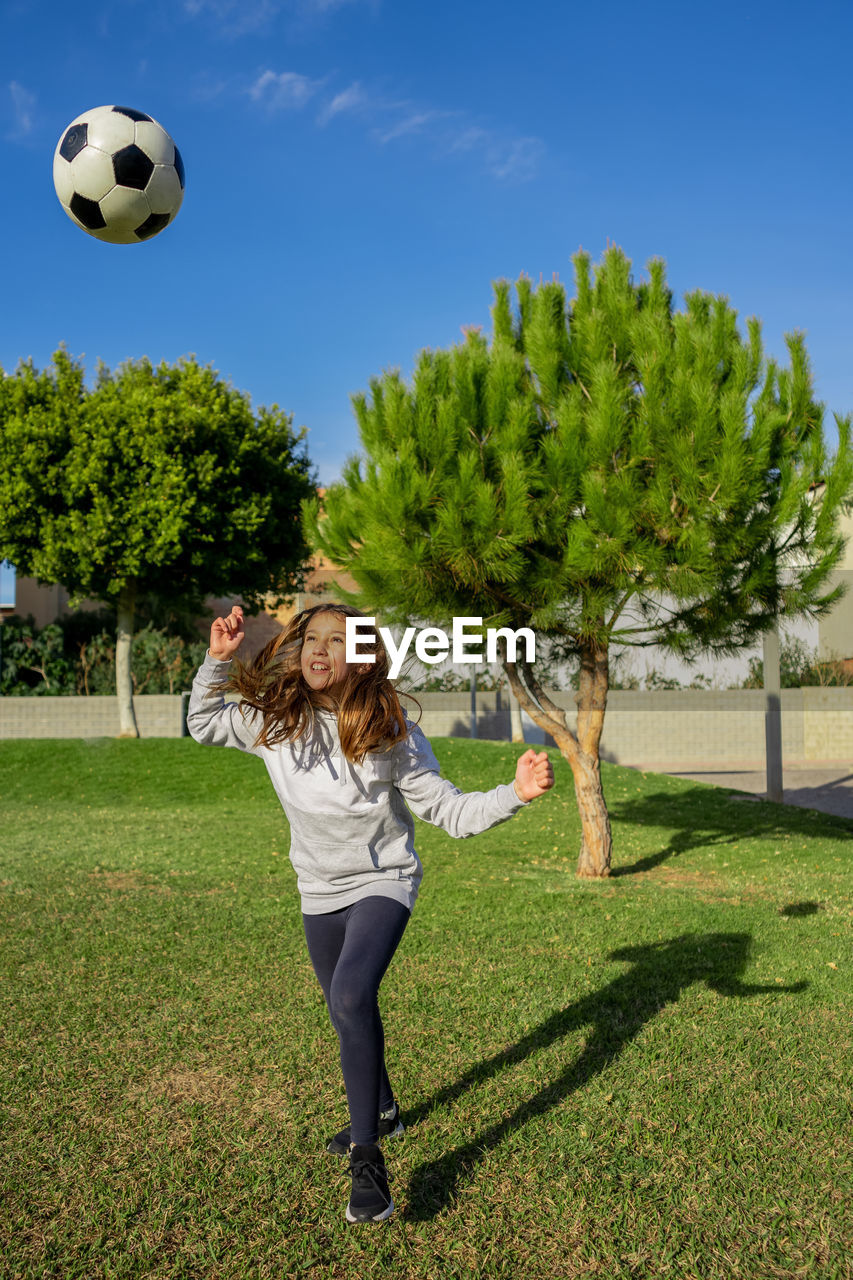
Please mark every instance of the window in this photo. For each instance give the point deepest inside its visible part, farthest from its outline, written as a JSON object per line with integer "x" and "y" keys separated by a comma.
{"x": 7, "y": 585}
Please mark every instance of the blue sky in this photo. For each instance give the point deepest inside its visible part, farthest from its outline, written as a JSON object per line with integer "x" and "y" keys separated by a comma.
{"x": 359, "y": 171}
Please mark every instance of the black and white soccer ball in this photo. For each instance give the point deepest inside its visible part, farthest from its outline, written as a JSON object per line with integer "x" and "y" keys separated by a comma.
{"x": 118, "y": 174}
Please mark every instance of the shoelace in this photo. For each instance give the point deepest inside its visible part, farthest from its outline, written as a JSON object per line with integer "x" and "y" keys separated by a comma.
{"x": 367, "y": 1168}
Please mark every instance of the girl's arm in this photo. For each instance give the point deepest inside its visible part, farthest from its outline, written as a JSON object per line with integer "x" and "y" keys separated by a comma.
{"x": 463, "y": 813}
{"x": 210, "y": 719}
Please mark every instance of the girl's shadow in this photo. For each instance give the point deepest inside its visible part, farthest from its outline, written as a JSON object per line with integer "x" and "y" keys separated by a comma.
{"x": 660, "y": 972}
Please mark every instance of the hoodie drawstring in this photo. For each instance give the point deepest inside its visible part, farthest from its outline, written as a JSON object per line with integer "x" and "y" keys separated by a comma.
{"x": 334, "y": 752}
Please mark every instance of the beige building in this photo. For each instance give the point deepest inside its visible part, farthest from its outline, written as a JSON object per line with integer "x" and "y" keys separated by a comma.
{"x": 320, "y": 584}
{"x": 46, "y": 604}
{"x": 835, "y": 632}
{"x": 24, "y": 596}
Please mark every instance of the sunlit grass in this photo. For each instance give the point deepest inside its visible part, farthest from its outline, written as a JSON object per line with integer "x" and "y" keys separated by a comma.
{"x": 647, "y": 1075}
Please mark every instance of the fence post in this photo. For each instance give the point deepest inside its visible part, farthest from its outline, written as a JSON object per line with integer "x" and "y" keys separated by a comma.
{"x": 773, "y": 715}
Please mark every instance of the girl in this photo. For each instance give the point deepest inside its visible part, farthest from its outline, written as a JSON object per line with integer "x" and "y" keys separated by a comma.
{"x": 345, "y": 762}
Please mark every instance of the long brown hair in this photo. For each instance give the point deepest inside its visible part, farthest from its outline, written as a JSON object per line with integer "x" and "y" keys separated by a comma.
{"x": 370, "y": 717}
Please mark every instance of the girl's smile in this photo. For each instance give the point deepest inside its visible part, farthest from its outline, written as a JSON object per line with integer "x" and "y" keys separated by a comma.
{"x": 323, "y": 658}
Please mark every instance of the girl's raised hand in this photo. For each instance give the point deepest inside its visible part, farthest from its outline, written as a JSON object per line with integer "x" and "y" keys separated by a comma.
{"x": 226, "y": 635}
{"x": 534, "y": 775}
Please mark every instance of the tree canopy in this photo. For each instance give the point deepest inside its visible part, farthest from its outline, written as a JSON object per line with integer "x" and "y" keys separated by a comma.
{"x": 607, "y": 471}
{"x": 156, "y": 480}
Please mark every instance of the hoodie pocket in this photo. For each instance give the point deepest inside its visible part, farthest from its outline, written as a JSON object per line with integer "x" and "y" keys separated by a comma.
{"x": 333, "y": 861}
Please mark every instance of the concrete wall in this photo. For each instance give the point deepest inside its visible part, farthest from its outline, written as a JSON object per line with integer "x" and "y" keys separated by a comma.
{"x": 680, "y": 728}
{"x": 158, "y": 715}
{"x": 671, "y": 729}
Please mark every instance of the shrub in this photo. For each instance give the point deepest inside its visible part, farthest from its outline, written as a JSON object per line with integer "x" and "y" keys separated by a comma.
{"x": 77, "y": 656}
{"x": 800, "y": 668}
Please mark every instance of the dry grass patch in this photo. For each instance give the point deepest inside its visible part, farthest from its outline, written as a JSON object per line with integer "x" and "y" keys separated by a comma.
{"x": 246, "y": 1097}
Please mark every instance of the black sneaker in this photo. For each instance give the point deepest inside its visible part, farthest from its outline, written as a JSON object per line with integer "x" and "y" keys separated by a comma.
{"x": 370, "y": 1200}
{"x": 390, "y": 1126}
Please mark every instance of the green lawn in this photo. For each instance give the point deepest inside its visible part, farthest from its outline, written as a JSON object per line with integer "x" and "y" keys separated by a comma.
{"x": 646, "y": 1076}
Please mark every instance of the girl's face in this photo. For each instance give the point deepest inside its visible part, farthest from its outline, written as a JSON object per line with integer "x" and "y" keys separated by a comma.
{"x": 323, "y": 648}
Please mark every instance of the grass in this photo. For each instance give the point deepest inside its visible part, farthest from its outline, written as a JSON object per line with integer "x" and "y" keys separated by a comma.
{"x": 646, "y": 1076}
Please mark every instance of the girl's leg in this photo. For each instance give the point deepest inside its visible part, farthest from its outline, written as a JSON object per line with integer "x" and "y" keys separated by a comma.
{"x": 325, "y": 935}
{"x": 350, "y": 951}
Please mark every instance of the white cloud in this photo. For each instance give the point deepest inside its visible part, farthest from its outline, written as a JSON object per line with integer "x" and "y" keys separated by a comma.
{"x": 283, "y": 90}
{"x": 23, "y": 103}
{"x": 234, "y": 17}
{"x": 453, "y": 133}
{"x": 207, "y": 87}
{"x": 514, "y": 160}
{"x": 415, "y": 122}
{"x": 240, "y": 17}
{"x": 467, "y": 139}
{"x": 496, "y": 152}
{"x": 325, "y": 6}
{"x": 350, "y": 99}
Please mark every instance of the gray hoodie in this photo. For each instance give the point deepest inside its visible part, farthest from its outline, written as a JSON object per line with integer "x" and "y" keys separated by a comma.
{"x": 351, "y": 833}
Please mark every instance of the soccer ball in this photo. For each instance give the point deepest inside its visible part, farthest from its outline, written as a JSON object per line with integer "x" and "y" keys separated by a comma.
{"x": 118, "y": 174}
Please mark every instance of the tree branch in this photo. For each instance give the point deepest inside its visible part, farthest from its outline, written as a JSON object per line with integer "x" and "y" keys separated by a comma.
{"x": 537, "y": 707}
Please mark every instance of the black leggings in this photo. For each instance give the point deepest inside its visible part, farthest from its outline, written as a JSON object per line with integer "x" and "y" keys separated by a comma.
{"x": 350, "y": 950}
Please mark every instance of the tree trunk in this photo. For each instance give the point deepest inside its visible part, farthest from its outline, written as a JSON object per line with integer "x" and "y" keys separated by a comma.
{"x": 580, "y": 751}
{"x": 124, "y": 680}
{"x": 516, "y": 727}
{"x": 597, "y": 840}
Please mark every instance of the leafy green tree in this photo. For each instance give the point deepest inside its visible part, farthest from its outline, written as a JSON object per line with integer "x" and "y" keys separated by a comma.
{"x": 610, "y": 472}
{"x": 158, "y": 481}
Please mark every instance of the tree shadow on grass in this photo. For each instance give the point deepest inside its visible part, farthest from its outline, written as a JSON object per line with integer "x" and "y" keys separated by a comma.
{"x": 705, "y": 816}
{"x": 659, "y": 974}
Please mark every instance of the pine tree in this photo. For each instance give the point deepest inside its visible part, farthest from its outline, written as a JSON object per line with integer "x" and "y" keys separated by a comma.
{"x": 609, "y": 472}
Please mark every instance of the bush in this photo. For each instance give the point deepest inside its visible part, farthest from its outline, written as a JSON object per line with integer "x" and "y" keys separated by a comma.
{"x": 800, "y": 668}
{"x": 34, "y": 661}
{"x": 77, "y": 656}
